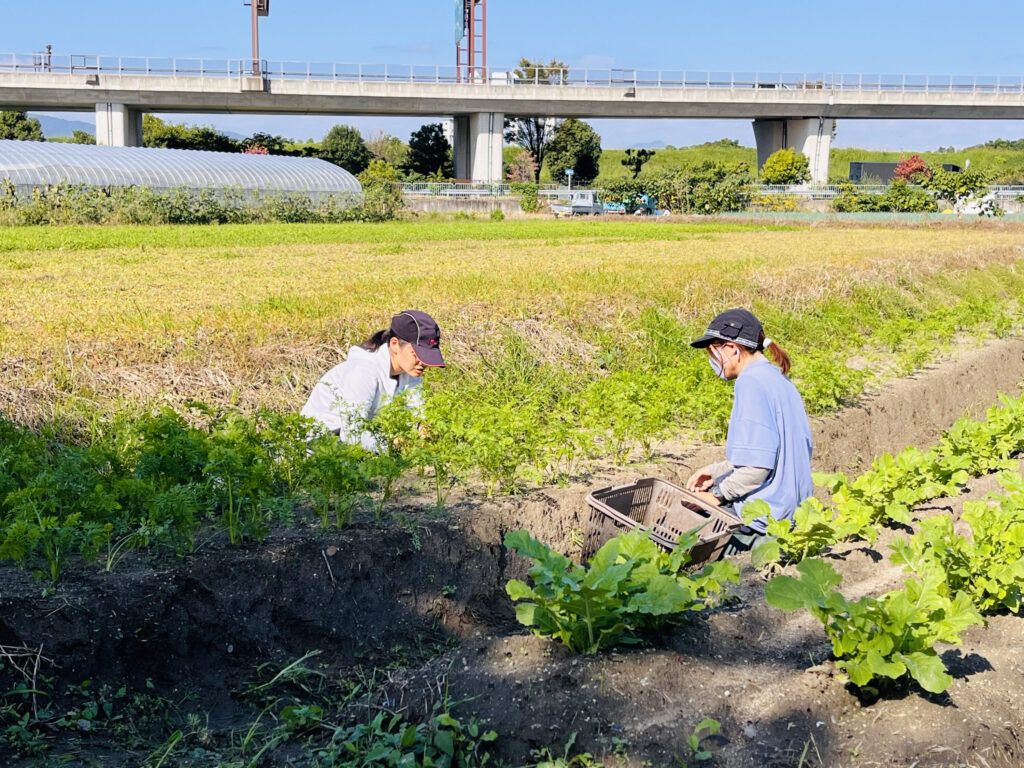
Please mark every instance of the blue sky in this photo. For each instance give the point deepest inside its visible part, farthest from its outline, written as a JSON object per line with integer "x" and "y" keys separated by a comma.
{"x": 936, "y": 37}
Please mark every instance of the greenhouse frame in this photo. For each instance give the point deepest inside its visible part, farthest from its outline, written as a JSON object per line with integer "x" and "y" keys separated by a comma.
{"x": 31, "y": 164}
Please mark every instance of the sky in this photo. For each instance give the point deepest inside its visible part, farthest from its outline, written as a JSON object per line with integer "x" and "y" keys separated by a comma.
{"x": 901, "y": 36}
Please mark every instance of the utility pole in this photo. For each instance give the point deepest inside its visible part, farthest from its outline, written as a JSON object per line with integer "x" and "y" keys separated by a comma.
{"x": 259, "y": 8}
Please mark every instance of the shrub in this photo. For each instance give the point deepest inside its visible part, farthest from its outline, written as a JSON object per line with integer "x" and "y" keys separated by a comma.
{"x": 774, "y": 203}
{"x": 899, "y": 198}
{"x": 703, "y": 188}
{"x": 961, "y": 189}
{"x": 65, "y": 204}
{"x": 786, "y": 166}
{"x": 912, "y": 169}
{"x": 528, "y": 196}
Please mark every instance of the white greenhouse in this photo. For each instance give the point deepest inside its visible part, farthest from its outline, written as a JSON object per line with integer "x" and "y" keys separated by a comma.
{"x": 29, "y": 164}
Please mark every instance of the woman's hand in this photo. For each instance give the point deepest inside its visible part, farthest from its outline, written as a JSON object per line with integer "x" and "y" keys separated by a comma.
{"x": 708, "y": 498}
{"x": 700, "y": 481}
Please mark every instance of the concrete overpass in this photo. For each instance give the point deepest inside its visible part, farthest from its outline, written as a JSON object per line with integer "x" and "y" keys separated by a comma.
{"x": 788, "y": 110}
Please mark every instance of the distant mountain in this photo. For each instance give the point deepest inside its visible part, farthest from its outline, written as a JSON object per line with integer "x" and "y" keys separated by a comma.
{"x": 649, "y": 145}
{"x": 58, "y": 128}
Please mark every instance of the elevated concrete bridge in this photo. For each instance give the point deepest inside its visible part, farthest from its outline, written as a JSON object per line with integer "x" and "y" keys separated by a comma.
{"x": 788, "y": 110}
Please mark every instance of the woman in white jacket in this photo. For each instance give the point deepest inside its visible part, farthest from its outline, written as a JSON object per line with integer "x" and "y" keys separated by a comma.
{"x": 389, "y": 362}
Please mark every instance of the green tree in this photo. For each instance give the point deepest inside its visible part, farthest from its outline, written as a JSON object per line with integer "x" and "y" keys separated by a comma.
{"x": 157, "y": 133}
{"x": 343, "y": 145}
{"x": 210, "y": 139}
{"x": 786, "y": 166}
{"x": 962, "y": 188}
{"x": 275, "y": 145}
{"x": 379, "y": 170}
{"x": 430, "y": 154}
{"x": 529, "y": 132}
{"x": 635, "y": 159}
{"x": 391, "y": 149}
{"x": 18, "y": 125}
{"x": 82, "y": 137}
{"x": 574, "y": 145}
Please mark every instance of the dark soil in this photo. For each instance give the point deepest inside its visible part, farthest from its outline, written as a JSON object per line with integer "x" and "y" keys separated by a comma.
{"x": 399, "y": 596}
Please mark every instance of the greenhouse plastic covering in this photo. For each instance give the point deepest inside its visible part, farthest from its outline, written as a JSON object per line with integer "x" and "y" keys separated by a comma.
{"x": 34, "y": 163}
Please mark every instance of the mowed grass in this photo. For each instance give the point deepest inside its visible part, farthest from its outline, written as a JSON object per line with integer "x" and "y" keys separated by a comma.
{"x": 406, "y": 231}
{"x": 252, "y": 315}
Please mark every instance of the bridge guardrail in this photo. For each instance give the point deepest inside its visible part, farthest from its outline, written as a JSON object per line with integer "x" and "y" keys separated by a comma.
{"x": 510, "y": 76}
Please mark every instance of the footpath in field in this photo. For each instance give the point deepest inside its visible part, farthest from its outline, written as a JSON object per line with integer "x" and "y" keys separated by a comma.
{"x": 370, "y": 599}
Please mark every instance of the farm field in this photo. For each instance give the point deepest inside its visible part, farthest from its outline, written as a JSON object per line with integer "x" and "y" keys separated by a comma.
{"x": 274, "y": 635}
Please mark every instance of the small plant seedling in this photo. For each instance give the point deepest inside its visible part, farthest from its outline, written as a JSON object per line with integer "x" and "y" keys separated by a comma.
{"x": 546, "y": 759}
{"x": 706, "y": 727}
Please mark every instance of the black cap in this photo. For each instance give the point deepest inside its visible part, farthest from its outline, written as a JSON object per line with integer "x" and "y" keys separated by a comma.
{"x": 420, "y": 330}
{"x": 736, "y": 325}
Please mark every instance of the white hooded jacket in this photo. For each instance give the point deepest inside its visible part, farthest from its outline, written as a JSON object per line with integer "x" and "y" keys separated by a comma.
{"x": 355, "y": 390}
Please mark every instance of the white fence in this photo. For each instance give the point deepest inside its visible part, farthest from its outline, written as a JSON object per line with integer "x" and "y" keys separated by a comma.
{"x": 811, "y": 191}
{"x": 510, "y": 75}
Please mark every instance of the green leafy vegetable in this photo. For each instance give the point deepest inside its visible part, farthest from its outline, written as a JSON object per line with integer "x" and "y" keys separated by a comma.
{"x": 887, "y": 637}
{"x": 630, "y": 587}
{"x": 989, "y": 566}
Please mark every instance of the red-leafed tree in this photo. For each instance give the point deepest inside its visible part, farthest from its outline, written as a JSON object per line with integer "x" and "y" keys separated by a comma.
{"x": 912, "y": 169}
{"x": 522, "y": 168}
{"x": 256, "y": 149}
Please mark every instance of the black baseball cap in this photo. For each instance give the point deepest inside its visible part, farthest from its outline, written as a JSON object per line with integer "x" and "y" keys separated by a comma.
{"x": 420, "y": 330}
{"x": 736, "y": 325}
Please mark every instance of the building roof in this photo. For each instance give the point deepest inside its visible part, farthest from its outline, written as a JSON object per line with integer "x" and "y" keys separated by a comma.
{"x": 34, "y": 163}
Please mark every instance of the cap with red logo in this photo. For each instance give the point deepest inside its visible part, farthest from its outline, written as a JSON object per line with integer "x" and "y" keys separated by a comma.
{"x": 420, "y": 330}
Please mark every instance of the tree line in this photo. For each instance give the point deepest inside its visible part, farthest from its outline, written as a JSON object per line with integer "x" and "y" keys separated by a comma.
{"x": 428, "y": 153}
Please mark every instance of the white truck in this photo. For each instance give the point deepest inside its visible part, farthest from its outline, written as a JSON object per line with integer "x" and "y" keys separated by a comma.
{"x": 579, "y": 202}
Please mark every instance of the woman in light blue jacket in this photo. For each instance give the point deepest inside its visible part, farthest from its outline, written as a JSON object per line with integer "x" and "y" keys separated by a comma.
{"x": 768, "y": 448}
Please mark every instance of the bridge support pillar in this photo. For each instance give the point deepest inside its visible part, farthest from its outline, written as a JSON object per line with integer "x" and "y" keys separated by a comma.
{"x": 476, "y": 148}
{"x": 811, "y": 137}
{"x": 118, "y": 125}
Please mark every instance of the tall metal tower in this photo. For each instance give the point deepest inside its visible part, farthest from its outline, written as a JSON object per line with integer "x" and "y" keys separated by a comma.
{"x": 471, "y": 41}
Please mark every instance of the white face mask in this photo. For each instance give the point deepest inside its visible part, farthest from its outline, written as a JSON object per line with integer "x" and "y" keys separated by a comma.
{"x": 717, "y": 364}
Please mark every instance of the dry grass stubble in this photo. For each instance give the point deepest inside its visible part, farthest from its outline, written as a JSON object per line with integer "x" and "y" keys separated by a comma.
{"x": 256, "y": 326}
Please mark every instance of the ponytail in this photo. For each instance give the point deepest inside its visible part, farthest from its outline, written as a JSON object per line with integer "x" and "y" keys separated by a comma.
{"x": 378, "y": 340}
{"x": 775, "y": 352}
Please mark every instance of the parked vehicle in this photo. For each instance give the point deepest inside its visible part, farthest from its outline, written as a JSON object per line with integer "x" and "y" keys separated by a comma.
{"x": 644, "y": 206}
{"x": 579, "y": 202}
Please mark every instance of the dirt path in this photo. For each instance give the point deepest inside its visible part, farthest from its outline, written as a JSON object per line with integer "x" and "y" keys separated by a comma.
{"x": 371, "y": 596}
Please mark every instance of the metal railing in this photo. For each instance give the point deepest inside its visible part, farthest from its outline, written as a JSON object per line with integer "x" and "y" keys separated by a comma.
{"x": 827, "y": 191}
{"x": 455, "y": 189}
{"x": 467, "y": 189}
{"x": 509, "y": 76}
{"x": 814, "y": 191}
